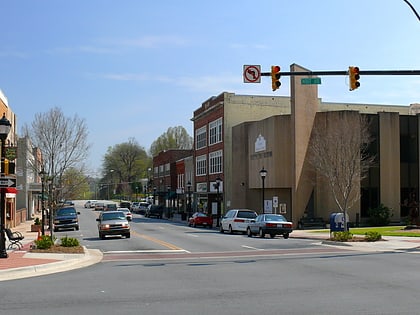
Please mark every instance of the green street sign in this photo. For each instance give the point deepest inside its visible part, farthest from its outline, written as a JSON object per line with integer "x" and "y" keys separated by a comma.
{"x": 310, "y": 81}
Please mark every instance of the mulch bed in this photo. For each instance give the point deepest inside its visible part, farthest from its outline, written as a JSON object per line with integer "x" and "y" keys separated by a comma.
{"x": 58, "y": 249}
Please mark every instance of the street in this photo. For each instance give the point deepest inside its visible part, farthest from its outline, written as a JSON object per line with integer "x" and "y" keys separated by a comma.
{"x": 170, "y": 268}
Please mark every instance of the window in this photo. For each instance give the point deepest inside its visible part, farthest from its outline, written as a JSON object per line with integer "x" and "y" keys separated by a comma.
{"x": 200, "y": 138}
{"x": 215, "y": 131}
{"x": 201, "y": 165}
{"x": 215, "y": 162}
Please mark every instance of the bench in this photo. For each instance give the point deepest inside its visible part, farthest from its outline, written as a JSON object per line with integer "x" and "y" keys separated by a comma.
{"x": 14, "y": 238}
{"x": 314, "y": 223}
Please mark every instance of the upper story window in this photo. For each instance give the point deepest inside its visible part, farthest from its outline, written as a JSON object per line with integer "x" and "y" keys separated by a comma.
{"x": 201, "y": 165}
{"x": 215, "y": 131}
{"x": 167, "y": 169}
{"x": 215, "y": 162}
{"x": 201, "y": 138}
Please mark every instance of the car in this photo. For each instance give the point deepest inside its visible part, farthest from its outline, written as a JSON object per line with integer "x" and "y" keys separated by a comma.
{"x": 154, "y": 211}
{"x": 127, "y": 212}
{"x": 66, "y": 218}
{"x": 135, "y": 206}
{"x": 200, "y": 219}
{"x": 113, "y": 223}
{"x": 272, "y": 224}
{"x": 99, "y": 206}
{"x": 90, "y": 204}
{"x": 110, "y": 207}
{"x": 143, "y": 207}
{"x": 237, "y": 220}
{"x": 125, "y": 204}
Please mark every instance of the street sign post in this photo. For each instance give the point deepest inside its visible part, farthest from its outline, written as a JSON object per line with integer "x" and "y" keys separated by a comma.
{"x": 7, "y": 182}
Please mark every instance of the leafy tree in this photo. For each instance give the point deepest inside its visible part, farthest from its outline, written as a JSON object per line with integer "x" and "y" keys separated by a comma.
{"x": 124, "y": 164}
{"x": 62, "y": 142}
{"x": 173, "y": 138}
{"x": 338, "y": 152}
{"x": 75, "y": 184}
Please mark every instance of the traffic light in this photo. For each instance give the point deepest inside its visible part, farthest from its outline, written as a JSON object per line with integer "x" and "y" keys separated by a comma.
{"x": 354, "y": 78}
{"x": 275, "y": 77}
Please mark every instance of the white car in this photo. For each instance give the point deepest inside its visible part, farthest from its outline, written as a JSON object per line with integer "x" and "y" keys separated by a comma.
{"x": 237, "y": 220}
{"x": 127, "y": 213}
{"x": 90, "y": 204}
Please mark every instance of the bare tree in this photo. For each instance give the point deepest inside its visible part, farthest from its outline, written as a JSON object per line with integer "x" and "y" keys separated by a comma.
{"x": 338, "y": 152}
{"x": 62, "y": 142}
{"x": 173, "y": 138}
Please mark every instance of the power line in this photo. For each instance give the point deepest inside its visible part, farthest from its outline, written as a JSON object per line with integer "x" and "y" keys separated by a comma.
{"x": 412, "y": 8}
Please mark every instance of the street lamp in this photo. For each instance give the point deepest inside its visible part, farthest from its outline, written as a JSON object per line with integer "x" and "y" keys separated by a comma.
{"x": 5, "y": 127}
{"x": 154, "y": 195}
{"x": 263, "y": 174}
{"x": 189, "y": 198}
{"x": 217, "y": 186}
{"x": 42, "y": 175}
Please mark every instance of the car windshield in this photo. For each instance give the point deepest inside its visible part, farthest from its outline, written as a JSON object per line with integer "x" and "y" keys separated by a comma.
{"x": 66, "y": 211}
{"x": 113, "y": 216}
{"x": 246, "y": 214}
{"x": 201, "y": 214}
{"x": 275, "y": 218}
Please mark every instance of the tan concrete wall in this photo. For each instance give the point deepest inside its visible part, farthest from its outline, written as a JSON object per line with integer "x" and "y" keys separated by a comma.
{"x": 389, "y": 130}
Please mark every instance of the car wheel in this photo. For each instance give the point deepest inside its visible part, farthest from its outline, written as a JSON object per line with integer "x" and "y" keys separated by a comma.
{"x": 261, "y": 233}
{"x": 221, "y": 229}
{"x": 272, "y": 235}
{"x": 76, "y": 228}
{"x": 230, "y": 229}
{"x": 286, "y": 235}
{"x": 101, "y": 236}
{"x": 194, "y": 224}
{"x": 248, "y": 232}
{"x": 210, "y": 226}
{"x": 127, "y": 235}
{"x": 55, "y": 230}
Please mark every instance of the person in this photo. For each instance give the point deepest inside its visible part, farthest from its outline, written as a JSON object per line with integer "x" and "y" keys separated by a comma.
{"x": 413, "y": 209}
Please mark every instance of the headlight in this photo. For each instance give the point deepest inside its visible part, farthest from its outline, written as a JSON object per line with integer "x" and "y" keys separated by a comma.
{"x": 104, "y": 226}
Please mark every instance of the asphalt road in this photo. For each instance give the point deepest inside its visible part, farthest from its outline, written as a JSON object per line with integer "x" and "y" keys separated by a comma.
{"x": 166, "y": 268}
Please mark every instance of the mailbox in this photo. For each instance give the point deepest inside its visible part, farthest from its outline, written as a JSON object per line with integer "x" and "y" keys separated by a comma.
{"x": 337, "y": 222}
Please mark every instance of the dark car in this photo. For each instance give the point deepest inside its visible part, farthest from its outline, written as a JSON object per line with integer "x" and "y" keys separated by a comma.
{"x": 200, "y": 219}
{"x": 113, "y": 223}
{"x": 125, "y": 204}
{"x": 272, "y": 224}
{"x": 155, "y": 211}
{"x": 66, "y": 218}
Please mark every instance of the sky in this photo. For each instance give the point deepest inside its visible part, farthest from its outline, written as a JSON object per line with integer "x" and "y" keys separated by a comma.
{"x": 134, "y": 68}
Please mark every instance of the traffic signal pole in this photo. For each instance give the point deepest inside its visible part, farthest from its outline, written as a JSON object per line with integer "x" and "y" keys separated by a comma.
{"x": 361, "y": 72}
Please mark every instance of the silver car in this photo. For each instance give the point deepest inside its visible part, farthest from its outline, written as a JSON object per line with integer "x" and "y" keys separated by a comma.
{"x": 237, "y": 220}
{"x": 113, "y": 223}
{"x": 272, "y": 224}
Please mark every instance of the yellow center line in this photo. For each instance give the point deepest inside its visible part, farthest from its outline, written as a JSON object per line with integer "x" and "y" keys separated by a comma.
{"x": 155, "y": 240}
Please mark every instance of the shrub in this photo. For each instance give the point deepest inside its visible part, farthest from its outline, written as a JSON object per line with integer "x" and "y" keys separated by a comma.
{"x": 342, "y": 236}
{"x": 37, "y": 221}
{"x": 69, "y": 242}
{"x": 372, "y": 236}
{"x": 379, "y": 216}
{"x": 45, "y": 242}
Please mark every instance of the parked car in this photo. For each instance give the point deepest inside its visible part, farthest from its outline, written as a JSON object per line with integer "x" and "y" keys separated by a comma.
{"x": 66, "y": 218}
{"x": 154, "y": 211}
{"x": 273, "y": 224}
{"x": 99, "y": 206}
{"x": 127, "y": 212}
{"x": 200, "y": 219}
{"x": 143, "y": 207}
{"x": 237, "y": 220}
{"x": 113, "y": 223}
{"x": 90, "y": 203}
{"x": 135, "y": 206}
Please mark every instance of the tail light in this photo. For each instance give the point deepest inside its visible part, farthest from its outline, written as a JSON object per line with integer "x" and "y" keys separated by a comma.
{"x": 271, "y": 225}
{"x": 239, "y": 220}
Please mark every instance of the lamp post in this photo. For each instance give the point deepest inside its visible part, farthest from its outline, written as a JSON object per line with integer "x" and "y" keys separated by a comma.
{"x": 189, "y": 199}
{"x": 169, "y": 201}
{"x": 154, "y": 195}
{"x": 42, "y": 174}
{"x": 5, "y": 127}
{"x": 217, "y": 186}
{"x": 263, "y": 174}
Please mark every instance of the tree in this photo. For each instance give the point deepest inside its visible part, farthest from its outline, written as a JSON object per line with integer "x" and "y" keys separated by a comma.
{"x": 62, "y": 142}
{"x": 338, "y": 152}
{"x": 124, "y": 164}
{"x": 173, "y": 138}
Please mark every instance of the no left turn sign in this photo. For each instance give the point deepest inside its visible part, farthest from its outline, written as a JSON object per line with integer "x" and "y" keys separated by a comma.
{"x": 252, "y": 74}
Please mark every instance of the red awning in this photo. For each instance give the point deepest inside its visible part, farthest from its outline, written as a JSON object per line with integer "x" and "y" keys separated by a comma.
{"x": 10, "y": 190}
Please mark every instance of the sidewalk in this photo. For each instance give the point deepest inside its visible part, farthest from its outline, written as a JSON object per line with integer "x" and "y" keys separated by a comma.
{"x": 21, "y": 263}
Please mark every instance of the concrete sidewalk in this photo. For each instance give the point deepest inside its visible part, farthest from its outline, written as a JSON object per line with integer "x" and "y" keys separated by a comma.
{"x": 21, "y": 263}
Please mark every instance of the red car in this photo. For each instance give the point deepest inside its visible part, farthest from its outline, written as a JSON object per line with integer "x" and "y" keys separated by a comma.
{"x": 199, "y": 218}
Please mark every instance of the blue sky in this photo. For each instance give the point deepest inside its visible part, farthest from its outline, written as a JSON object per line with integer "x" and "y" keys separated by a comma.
{"x": 133, "y": 68}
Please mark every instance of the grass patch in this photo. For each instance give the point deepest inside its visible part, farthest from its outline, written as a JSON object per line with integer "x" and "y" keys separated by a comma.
{"x": 383, "y": 230}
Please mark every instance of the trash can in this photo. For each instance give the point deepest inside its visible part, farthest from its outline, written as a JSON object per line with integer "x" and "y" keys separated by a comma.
{"x": 337, "y": 222}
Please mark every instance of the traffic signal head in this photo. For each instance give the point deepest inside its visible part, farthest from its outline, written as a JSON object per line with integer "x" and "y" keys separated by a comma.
{"x": 354, "y": 77}
{"x": 275, "y": 77}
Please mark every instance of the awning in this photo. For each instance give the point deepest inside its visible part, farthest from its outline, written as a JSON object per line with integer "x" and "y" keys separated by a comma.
{"x": 10, "y": 190}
